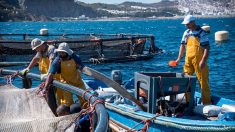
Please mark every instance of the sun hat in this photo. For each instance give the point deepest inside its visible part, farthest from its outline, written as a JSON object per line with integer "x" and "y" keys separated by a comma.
{"x": 188, "y": 19}
{"x": 64, "y": 47}
{"x": 36, "y": 43}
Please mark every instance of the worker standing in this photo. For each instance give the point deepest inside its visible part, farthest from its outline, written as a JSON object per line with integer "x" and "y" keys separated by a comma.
{"x": 196, "y": 43}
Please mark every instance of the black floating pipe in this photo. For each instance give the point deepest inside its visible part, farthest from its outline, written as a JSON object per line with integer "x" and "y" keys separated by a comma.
{"x": 77, "y": 40}
{"x": 71, "y": 34}
{"x": 102, "y": 125}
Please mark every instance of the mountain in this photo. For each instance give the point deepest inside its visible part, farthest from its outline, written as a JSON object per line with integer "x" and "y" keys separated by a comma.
{"x": 49, "y": 10}
{"x": 208, "y": 7}
{"x": 43, "y": 10}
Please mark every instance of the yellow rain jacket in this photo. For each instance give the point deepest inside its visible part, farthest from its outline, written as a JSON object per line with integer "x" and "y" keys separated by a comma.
{"x": 70, "y": 75}
{"x": 194, "y": 54}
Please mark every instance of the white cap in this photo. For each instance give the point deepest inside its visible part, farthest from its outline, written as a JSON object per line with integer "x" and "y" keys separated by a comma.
{"x": 36, "y": 43}
{"x": 188, "y": 19}
{"x": 64, "y": 47}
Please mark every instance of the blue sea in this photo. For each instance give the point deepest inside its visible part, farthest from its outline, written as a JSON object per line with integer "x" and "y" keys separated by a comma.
{"x": 167, "y": 32}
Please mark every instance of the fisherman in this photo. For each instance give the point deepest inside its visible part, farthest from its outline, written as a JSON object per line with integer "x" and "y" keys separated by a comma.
{"x": 66, "y": 64}
{"x": 196, "y": 43}
{"x": 44, "y": 56}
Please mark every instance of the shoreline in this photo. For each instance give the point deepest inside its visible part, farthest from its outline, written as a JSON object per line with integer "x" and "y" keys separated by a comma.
{"x": 130, "y": 18}
{"x": 155, "y": 18}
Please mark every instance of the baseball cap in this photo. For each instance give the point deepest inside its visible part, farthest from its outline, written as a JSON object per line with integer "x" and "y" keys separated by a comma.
{"x": 188, "y": 19}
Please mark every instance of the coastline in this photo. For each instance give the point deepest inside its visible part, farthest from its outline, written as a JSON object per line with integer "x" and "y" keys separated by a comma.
{"x": 128, "y": 18}
{"x": 155, "y": 18}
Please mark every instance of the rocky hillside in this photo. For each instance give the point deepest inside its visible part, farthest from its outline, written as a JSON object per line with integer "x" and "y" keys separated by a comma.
{"x": 207, "y": 7}
{"x": 11, "y": 11}
{"x": 57, "y": 8}
{"x": 47, "y": 10}
{"x": 43, "y": 10}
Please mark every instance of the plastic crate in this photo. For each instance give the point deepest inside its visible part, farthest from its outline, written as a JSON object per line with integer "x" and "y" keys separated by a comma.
{"x": 164, "y": 84}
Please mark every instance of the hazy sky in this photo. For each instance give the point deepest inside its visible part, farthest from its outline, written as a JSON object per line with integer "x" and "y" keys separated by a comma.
{"x": 117, "y": 1}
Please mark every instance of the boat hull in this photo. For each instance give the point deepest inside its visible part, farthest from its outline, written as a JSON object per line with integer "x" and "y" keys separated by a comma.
{"x": 124, "y": 117}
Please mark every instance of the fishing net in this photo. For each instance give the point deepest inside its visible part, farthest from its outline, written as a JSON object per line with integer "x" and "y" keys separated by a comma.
{"x": 23, "y": 111}
{"x": 15, "y": 48}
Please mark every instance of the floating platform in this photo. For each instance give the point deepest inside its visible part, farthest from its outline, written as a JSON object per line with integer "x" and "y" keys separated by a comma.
{"x": 99, "y": 46}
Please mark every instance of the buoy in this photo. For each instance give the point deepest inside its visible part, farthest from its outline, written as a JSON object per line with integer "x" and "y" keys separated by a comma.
{"x": 172, "y": 63}
{"x": 221, "y": 35}
{"x": 206, "y": 28}
{"x": 43, "y": 31}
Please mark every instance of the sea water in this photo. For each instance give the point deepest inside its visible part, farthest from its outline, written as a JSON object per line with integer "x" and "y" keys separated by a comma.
{"x": 167, "y": 32}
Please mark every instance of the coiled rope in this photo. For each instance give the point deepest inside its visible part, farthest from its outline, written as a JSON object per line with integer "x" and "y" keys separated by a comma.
{"x": 87, "y": 112}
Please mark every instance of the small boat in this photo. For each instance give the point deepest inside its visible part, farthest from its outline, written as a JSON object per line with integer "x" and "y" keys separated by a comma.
{"x": 102, "y": 48}
{"x": 22, "y": 110}
{"x": 166, "y": 109}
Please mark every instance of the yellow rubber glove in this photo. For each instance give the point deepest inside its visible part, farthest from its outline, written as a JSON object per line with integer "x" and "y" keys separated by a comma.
{"x": 24, "y": 72}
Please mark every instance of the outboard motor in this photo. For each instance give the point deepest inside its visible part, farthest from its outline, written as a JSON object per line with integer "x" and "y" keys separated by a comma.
{"x": 116, "y": 75}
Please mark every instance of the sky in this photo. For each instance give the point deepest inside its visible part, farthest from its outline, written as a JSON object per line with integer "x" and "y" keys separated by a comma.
{"x": 118, "y": 1}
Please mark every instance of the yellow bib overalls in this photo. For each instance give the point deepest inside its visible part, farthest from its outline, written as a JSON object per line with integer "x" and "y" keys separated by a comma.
{"x": 44, "y": 65}
{"x": 69, "y": 75}
{"x": 194, "y": 54}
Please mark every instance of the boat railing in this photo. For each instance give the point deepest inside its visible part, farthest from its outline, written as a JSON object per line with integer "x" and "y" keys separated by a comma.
{"x": 102, "y": 121}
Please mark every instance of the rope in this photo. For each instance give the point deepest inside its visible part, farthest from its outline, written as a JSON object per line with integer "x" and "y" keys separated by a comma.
{"x": 145, "y": 127}
{"x": 174, "y": 108}
{"x": 41, "y": 91}
{"x": 87, "y": 90}
{"x": 90, "y": 90}
{"x": 86, "y": 104}
{"x": 184, "y": 126}
{"x": 10, "y": 78}
{"x": 88, "y": 111}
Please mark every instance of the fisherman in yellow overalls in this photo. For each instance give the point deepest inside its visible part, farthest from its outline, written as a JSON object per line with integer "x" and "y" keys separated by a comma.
{"x": 195, "y": 41}
{"x": 66, "y": 64}
{"x": 45, "y": 55}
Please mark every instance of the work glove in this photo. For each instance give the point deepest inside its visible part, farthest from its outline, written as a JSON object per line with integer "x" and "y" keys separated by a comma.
{"x": 24, "y": 72}
{"x": 42, "y": 76}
